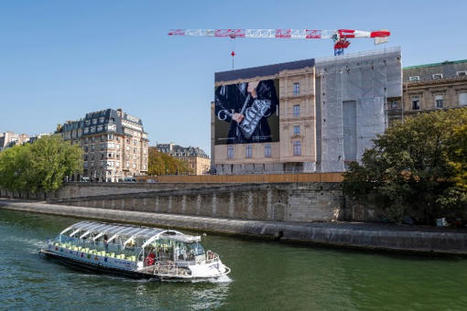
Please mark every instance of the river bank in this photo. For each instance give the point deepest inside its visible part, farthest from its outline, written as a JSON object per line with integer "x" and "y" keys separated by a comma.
{"x": 384, "y": 237}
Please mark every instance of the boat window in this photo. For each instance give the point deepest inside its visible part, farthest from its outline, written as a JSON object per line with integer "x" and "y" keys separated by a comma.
{"x": 196, "y": 248}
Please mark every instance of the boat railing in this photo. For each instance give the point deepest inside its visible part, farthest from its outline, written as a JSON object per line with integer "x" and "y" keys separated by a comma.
{"x": 96, "y": 252}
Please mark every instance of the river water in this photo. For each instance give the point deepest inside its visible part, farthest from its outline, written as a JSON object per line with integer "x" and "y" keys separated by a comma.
{"x": 265, "y": 276}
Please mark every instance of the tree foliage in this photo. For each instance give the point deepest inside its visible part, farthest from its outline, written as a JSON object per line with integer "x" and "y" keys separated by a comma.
{"x": 416, "y": 168}
{"x": 41, "y": 166}
{"x": 163, "y": 164}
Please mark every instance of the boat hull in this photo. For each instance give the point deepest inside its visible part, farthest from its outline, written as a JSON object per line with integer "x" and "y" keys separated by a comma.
{"x": 101, "y": 268}
{"x": 96, "y": 268}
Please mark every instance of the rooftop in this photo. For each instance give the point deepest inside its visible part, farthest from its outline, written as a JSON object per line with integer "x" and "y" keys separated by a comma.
{"x": 262, "y": 71}
{"x": 447, "y": 62}
{"x": 436, "y": 71}
{"x": 180, "y": 151}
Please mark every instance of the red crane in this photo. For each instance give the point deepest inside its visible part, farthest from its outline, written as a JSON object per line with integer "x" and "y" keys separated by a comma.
{"x": 340, "y": 36}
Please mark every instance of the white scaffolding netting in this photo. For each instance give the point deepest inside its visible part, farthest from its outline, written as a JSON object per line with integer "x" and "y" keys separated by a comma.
{"x": 353, "y": 92}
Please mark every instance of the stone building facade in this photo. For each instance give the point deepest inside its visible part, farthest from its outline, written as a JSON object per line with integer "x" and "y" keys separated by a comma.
{"x": 9, "y": 139}
{"x": 431, "y": 87}
{"x": 329, "y": 110}
{"x": 198, "y": 161}
{"x": 114, "y": 143}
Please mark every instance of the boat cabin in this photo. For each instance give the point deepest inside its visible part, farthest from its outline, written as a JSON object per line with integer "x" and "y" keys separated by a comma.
{"x": 142, "y": 245}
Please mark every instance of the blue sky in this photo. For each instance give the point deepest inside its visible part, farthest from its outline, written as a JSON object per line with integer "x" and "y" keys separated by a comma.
{"x": 61, "y": 59}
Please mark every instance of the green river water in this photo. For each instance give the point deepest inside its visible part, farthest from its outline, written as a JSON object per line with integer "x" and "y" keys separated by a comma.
{"x": 265, "y": 276}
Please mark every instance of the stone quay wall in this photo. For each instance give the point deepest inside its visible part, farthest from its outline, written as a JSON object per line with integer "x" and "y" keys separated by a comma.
{"x": 292, "y": 202}
{"x": 399, "y": 238}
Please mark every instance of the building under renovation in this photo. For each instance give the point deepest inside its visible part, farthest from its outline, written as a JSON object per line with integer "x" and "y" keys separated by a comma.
{"x": 314, "y": 115}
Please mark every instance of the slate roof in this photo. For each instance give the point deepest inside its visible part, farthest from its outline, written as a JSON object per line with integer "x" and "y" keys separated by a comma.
{"x": 449, "y": 70}
{"x": 261, "y": 71}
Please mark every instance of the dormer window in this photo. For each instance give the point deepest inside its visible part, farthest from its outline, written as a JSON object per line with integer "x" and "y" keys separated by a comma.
{"x": 414, "y": 78}
{"x": 437, "y": 76}
{"x": 461, "y": 73}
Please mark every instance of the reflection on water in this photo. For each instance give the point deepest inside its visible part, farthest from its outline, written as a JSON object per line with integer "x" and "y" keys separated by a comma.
{"x": 265, "y": 276}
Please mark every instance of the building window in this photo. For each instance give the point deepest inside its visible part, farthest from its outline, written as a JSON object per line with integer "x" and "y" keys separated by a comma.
{"x": 414, "y": 78}
{"x": 463, "y": 99}
{"x": 296, "y": 130}
{"x": 461, "y": 73}
{"x": 394, "y": 104}
{"x": 296, "y": 88}
{"x": 296, "y": 111}
{"x": 439, "y": 101}
{"x": 267, "y": 150}
{"x": 101, "y": 120}
{"x": 249, "y": 151}
{"x": 415, "y": 103}
{"x": 94, "y": 121}
{"x": 437, "y": 76}
{"x": 230, "y": 152}
{"x": 297, "y": 148}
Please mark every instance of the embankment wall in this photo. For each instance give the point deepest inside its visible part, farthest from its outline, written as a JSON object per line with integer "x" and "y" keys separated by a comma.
{"x": 296, "y": 202}
{"x": 354, "y": 235}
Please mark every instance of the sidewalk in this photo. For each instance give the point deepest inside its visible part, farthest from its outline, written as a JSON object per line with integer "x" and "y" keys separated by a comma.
{"x": 401, "y": 238}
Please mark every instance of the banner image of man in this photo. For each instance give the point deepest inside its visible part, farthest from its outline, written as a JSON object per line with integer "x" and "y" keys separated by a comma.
{"x": 247, "y": 107}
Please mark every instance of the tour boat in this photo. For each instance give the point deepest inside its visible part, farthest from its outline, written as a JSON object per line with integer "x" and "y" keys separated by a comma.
{"x": 138, "y": 252}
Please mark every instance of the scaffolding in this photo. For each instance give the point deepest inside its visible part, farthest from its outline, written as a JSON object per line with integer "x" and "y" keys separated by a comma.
{"x": 352, "y": 98}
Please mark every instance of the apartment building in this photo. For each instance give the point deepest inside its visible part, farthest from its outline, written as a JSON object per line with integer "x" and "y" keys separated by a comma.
{"x": 431, "y": 87}
{"x": 114, "y": 143}
{"x": 198, "y": 161}
{"x": 9, "y": 139}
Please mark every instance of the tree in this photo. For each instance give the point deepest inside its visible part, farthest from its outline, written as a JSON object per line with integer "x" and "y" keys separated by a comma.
{"x": 15, "y": 168}
{"x": 416, "y": 168}
{"x": 41, "y": 166}
{"x": 163, "y": 164}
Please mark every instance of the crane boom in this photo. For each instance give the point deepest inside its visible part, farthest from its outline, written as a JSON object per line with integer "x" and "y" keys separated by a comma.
{"x": 339, "y": 36}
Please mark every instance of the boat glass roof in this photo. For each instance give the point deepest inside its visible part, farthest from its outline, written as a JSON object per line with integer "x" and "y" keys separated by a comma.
{"x": 132, "y": 231}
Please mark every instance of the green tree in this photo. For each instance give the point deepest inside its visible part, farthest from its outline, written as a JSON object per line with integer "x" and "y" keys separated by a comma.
{"x": 15, "y": 168}
{"x": 416, "y": 168}
{"x": 163, "y": 164}
{"x": 52, "y": 160}
{"x": 41, "y": 166}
